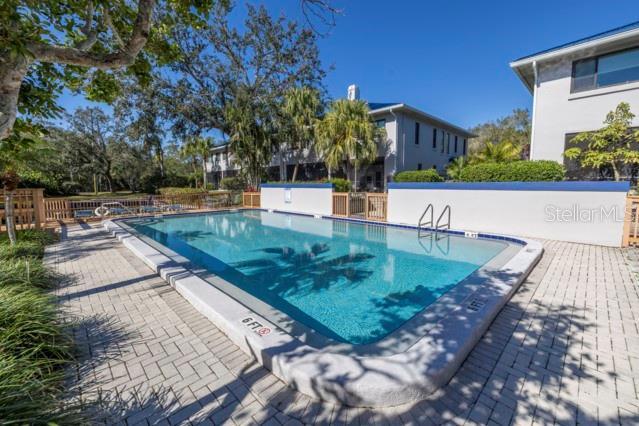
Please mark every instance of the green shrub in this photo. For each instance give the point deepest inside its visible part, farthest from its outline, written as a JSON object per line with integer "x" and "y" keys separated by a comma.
{"x": 177, "y": 191}
{"x": 428, "y": 175}
{"x": 236, "y": 183}
{"x": 516, "y": 171}
{"x": 30, "y": 243}
{"x": 71, "y": 188}
{"x": 35, "y": 350}
{"x": 28, "y": 271}
{"x": 341, "y": 185}
{"x": 37, "y": 179}
{"x": 34, "y": 346}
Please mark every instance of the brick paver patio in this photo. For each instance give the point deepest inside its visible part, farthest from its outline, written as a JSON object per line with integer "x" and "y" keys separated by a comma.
{"x": 564, "y": 350}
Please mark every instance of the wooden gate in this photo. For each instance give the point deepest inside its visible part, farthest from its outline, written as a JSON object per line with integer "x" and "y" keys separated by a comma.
{"x": 363, "y": 205}
{"x": 251, "y": 199}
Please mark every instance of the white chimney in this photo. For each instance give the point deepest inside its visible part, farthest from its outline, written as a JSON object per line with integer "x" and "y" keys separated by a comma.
{"x": 353, "y": 92}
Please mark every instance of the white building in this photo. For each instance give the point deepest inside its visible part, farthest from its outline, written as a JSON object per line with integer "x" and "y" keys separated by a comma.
{"x": 576, "y": 84}
{"x": 415, "y": 140}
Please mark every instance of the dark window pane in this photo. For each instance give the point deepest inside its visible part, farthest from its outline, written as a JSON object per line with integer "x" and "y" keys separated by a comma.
{"x": 434, "y": 138}
{"x": 455, "y": 143}
{"x": 419, "y": 166}
{"x": 381, "y": 123}
{"x": 618, "y": 68}
{"x": 416, "y": 133}
{"x": 583, "y": 75}
{"x": 464, "y": 147}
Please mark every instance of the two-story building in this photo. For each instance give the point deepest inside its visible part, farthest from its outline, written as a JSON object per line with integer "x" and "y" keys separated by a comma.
{"x": 415, "y": 140}
{"x": 575, "y": 85}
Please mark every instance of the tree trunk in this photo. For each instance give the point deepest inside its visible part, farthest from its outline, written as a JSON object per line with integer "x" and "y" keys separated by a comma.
{"x": 297, "y": 166}
{"x": 355, "y": 177}
{"x": 205, "y": 179}
{"x": 12, "y": 72}
{"x": 160, "y": 155}
{"x": 329, "y": 172}
{"x": 615, "y": 171}
{"x": 10, "y": 216}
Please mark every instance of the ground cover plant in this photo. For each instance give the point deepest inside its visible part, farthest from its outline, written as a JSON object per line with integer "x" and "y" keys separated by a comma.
{"x": 34, "y": 345}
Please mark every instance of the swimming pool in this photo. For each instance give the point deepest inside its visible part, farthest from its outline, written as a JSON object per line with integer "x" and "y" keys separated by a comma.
{"x": 352, "y": 282}
{"x": 360, "y": 313}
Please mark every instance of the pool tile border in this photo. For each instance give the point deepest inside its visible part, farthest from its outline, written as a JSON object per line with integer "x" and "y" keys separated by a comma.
{"x": 373, "y": 381}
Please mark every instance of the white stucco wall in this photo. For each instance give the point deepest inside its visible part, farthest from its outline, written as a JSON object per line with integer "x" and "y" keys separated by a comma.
{"x": 528, "y": 213}
{"x": 309, "y": 199}
{"x": 557, "y": 112}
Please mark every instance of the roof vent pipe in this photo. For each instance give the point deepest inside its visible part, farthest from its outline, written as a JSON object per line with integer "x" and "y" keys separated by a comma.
{"x": 353, "y": 92}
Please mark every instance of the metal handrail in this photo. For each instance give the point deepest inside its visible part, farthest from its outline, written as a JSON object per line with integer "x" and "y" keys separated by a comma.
{"x": 421, "y": 223}
{"x": 441, "y": 216}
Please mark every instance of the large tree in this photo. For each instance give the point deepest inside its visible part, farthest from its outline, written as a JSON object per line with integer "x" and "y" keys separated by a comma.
{"x": 223, "y": 68}
{"x": 514, "y": 128}
{"x": 614, "y": 145}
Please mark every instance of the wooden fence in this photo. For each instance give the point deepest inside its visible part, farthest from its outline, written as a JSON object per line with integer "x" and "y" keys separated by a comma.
{"x": 376, "y": 206}
{"x": 251, "y": 199}
{"x": 27, "y": 206}
{"x": 340, "y": 204}
{"x": 66, "y": 209}
{"x": 631, "y": 225}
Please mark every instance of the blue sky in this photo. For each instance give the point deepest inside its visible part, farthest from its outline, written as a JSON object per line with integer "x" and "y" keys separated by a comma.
{"x": 449, "y": 58}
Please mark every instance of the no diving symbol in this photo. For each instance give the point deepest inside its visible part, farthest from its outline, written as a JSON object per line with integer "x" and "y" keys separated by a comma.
{"x": 255, "y": 326}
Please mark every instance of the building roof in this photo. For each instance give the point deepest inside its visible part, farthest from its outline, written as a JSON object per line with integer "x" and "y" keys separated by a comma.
{"x": 386, "y": 107}
{"x": 380, "y": 105}
{"x": 614, "y": 31}
{"x": 594, "y": 44}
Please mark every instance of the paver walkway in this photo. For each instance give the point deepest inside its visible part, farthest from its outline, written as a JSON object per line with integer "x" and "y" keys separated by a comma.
{"x": 565, "y": 349}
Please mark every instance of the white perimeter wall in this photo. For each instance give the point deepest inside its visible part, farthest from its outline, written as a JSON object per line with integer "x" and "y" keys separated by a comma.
{"x": 519, "y": 212}
{"x": 310, "y": 200}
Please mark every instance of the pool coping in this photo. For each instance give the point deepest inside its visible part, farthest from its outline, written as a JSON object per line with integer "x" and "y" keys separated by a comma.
{"x": 364, "y": 381}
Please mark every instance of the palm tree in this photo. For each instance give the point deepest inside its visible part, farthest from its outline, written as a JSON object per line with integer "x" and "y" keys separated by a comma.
{"x": 501, "y": 152}
{"x": 347, "y": 133}
{"x": 455, "y": 168}
{"x": 198, "y": 148}
{"x": 300, "y": 110}
{"x": 252, "y": 135}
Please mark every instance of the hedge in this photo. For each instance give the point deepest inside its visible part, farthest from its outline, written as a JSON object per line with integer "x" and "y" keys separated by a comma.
{"x": 516, "y": 171}
{"x": 233, "y": 183}
{"x": 341, "y": 185}
{"x": 176, "y": 191}
{"x": 428, "y": 175}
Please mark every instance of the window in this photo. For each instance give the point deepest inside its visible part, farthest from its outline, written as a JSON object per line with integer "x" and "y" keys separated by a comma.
{"x": 606, "y": 70}
{"x": 447, "y": 143}
{"x": 443, "y": 141}
{"x": 455, "y": 144}
{"x": 419, "y": 166}
{"x": 380, "y": 123}
{"x": 464, "y": 147}
{"x": 434, "y": 138}
{"x": 416, "y": 133}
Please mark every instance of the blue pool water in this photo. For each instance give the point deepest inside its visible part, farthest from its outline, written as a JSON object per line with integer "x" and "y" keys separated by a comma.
{"x": 351, "y": 282}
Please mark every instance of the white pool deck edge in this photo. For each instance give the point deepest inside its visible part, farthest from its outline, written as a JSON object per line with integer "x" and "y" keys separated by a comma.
{"x": 364, "y": 381}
